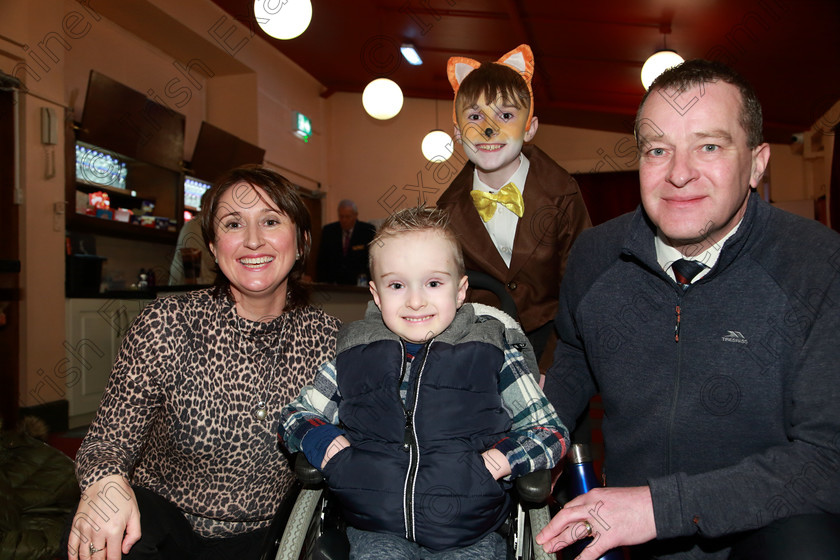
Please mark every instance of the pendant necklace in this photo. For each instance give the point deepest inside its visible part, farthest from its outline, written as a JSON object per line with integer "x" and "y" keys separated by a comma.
{"x": 261, "y": 410}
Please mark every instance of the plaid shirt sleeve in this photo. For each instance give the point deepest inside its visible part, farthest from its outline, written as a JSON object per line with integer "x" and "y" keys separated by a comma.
{"x": 538, "y": 439}
{"x": 316, "y": 406}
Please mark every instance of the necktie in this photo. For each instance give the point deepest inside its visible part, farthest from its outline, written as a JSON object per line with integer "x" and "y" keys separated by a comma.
{"x": 508, "y": 196}
{"x": 345, "y": 244}
{"x": 685, "y": 270}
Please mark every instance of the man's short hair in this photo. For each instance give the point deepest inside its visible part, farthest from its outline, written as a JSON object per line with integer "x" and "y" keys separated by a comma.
{"x": 347, "y": 203}
{"x": 494, "y": 81}
{"x": 692, "y": 73}
{"x": 418, "y": 218}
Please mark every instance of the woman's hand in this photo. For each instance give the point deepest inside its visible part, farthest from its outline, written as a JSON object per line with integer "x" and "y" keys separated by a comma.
{"x": 337, "y": 445}
{"x": 106, "y": 522}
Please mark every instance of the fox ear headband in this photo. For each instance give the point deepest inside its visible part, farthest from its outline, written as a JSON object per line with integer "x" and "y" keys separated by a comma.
{"x": 520, "y": 59}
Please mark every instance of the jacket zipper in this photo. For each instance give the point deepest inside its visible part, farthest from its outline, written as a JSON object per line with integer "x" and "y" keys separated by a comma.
{"x": 411, "y": 447}
{"x": 680, "y": 292}
{"x": 677, "y": 326}
{"x": 676, "y": 384}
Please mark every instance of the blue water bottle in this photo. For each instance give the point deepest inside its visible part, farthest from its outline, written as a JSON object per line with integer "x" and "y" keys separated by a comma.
{"x": 581, "y": 480}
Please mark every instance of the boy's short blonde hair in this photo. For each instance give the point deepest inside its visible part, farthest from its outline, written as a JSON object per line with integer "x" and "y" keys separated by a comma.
{"x": 419, "y": 218}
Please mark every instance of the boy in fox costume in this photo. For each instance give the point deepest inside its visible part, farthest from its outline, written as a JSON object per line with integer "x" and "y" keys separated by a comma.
{"x": 514, "y": 209}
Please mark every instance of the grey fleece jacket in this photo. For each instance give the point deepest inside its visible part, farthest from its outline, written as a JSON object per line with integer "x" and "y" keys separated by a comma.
{"x": 736, "y": 423}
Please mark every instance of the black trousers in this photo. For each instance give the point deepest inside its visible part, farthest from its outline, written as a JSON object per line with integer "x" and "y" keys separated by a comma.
{"x": 166, "y": 534}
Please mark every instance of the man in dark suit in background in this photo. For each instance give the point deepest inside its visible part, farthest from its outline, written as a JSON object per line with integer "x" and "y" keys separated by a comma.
{"x": 343, "y": 253}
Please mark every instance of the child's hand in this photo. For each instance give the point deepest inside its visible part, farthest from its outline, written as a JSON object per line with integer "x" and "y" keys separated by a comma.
{"x": 496, "y": 463}
{"x": 337, "y": 445}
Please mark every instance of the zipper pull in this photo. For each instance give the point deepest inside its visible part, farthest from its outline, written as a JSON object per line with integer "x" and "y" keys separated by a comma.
{"x": 408, "y": 436}
{"x": 677, "y": 326}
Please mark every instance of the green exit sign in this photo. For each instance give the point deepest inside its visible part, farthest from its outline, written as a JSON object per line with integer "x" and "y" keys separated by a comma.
{"x": 302, "y": 126}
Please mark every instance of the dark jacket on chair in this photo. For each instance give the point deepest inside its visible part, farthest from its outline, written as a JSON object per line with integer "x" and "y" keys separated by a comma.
{"x": 38, "y": 493}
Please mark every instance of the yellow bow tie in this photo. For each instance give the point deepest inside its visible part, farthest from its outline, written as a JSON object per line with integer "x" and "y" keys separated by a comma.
{"x": 509, "y": 196}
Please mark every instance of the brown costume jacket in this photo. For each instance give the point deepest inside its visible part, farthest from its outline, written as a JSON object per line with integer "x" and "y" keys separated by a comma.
{"x": 554, "y": 216}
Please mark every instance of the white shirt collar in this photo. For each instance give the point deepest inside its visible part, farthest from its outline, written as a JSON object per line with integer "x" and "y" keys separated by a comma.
{"x": 666, "y": 255}
{"x": 518, "y": 177}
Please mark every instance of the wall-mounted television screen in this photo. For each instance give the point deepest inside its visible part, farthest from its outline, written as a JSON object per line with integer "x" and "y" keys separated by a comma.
{"x": 123, "y": 120}
{"x": 217, "y": 151}
{"x": 194, "y": 189}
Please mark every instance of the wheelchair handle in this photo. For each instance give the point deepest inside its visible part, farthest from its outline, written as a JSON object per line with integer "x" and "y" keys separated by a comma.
{"x": 535, "y": 487}
{"x": 306, "y": 473}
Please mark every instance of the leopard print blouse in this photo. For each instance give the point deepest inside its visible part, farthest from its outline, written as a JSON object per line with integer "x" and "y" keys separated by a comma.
{"x": 178, "y": 413}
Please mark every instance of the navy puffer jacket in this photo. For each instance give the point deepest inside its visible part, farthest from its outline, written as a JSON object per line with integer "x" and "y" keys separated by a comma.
{"x": 428, "y": 481}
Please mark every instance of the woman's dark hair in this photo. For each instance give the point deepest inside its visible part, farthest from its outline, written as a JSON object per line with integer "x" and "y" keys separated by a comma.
{"x": 284, "y": 195}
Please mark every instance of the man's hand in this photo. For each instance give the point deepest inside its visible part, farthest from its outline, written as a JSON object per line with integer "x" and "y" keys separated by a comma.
{"x": 618, "y": 517}
{"x": 337, "y": 445}
{"x": 107, "y": 521}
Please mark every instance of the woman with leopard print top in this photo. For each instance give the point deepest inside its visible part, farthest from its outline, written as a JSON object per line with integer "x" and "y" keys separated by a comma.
{"x": 182, "y": 457}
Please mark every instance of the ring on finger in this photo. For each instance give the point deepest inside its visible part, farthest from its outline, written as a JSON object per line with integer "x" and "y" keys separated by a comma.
{"x": 588, "y": 526}
{"x": 93, "y": 550}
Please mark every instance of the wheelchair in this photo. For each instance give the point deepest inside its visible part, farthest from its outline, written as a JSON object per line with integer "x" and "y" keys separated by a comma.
{"x": 308, "y": 523}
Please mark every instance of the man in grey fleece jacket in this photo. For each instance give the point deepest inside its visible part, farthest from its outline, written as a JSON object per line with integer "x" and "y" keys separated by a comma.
{"x": 721, "y": 393}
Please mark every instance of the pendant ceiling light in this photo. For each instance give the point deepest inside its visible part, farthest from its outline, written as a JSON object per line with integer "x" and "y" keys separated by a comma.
{"x": 283, "y": 19}
{"x": 661, "y": 60}
{"x": 382, "y": 99}
{"x": 436, "y": 145}
{"x": 657, "y": 63}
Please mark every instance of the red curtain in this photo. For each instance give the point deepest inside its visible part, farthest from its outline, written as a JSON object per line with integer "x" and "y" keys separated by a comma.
{"x": 608, "y": 195}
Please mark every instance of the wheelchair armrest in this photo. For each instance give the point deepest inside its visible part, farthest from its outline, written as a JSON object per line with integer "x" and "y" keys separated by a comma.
{"x": 305, "y": 472}
{"x": 535, "y": 487}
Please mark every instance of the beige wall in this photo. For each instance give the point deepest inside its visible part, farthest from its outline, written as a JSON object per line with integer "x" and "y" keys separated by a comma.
{"x": 379, "y": 164}
{"x": 42, "y": 187}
